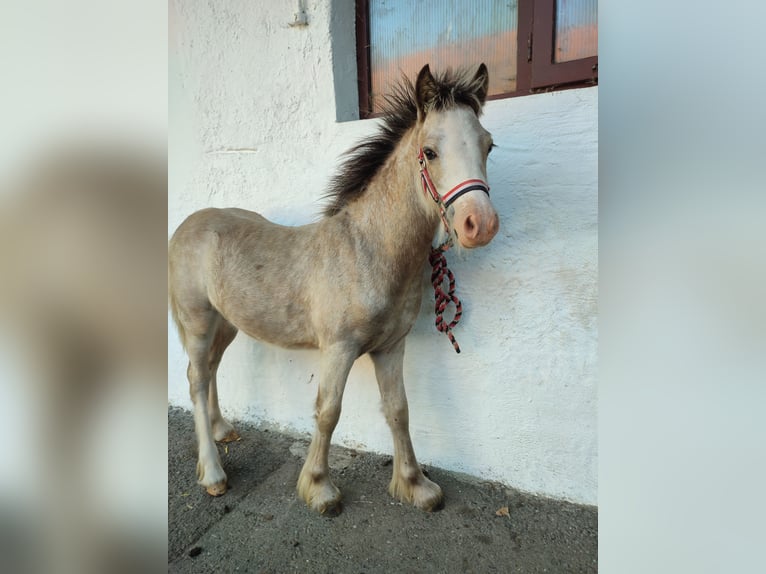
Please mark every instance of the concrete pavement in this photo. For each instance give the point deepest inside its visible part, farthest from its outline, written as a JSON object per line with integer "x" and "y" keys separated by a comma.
{"x": 261, "y": 526}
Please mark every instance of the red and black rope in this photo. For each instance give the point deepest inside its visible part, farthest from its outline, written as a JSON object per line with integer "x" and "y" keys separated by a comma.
{"x": 439, "y": 273}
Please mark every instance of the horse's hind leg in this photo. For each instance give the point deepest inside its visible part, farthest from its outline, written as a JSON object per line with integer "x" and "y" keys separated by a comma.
{"x": 408, "y": 483}
{"x": 314, "y": 484}
{"x": 223, "y": 430}
{"x": 200, "y": 328}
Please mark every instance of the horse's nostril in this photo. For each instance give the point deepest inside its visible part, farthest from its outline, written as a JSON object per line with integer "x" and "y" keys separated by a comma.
{"x": 471, "y": 226}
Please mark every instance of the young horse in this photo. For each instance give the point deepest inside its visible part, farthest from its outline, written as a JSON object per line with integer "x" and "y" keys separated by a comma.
{"x": 348, "y": 284}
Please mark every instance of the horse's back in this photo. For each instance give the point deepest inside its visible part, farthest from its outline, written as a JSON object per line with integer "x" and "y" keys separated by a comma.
{"x": 215, "y": 220}
{"x": 212, "y": 228}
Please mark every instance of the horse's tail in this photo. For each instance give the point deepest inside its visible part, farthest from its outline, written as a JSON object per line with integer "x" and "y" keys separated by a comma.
{"x": 174, "y": 310}
{"x": 187, "y": 249}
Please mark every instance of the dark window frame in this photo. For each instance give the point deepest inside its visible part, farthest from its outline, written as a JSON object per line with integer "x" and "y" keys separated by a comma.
{"x": 536, "y": 70}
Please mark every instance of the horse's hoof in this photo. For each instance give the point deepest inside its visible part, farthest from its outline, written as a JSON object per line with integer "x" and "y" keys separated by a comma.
{"x": 423, "y": 494}
{"x": 217, "y": 489}
{"x": 432, "y": 503}
{"x": 439, "y": 505}
{"x": 332, "y": 510}
{"x": 231, "y": 436}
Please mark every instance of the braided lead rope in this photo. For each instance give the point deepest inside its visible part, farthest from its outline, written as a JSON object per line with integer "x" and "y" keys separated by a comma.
{"x": 440, "y": 272}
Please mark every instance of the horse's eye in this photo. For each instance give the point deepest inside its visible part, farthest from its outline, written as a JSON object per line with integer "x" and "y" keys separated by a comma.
{"x": 429, "y": 153}
{"x": 491, "y": 147}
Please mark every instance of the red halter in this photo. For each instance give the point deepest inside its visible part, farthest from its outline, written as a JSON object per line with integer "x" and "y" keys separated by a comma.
{"x": 444, "y": 201}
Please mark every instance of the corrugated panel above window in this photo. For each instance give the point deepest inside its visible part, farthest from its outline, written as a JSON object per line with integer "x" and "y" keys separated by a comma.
{"x": 407, "y": 34}
{"x": 576, "y": 32}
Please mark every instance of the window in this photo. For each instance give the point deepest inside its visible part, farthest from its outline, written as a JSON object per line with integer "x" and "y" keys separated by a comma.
{"x": 529, "y": 46}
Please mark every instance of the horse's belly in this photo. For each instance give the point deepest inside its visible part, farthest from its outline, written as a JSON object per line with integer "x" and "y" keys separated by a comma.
{"x": 281, "y": 337}
{"x": 283, "y": 325}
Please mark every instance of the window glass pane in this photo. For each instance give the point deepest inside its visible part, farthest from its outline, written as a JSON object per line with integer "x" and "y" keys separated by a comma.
{"x": 407, "y": 34}
{"x": 576, "y": 30}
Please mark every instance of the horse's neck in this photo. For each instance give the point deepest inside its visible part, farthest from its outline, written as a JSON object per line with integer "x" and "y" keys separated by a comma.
{"x": 392, "y": 217}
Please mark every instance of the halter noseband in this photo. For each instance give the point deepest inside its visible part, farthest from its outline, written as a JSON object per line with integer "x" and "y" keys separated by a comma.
{"x": 444, "y": 201}
{"x": 437, "y": 259}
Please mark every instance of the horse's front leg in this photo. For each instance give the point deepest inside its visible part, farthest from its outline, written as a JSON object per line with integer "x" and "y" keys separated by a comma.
{"x": 408, "y": 483}
{"x": 314, "y": 483}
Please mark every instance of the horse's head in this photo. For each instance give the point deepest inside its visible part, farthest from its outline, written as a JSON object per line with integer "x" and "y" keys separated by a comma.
{"x": 453, "y": 148}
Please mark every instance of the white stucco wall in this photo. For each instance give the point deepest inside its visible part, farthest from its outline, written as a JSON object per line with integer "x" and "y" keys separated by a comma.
{"x": 253, "y": 108}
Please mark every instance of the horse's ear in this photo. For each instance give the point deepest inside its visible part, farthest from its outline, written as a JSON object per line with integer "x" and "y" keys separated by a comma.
{"x": 425, "y": 90}
{"x": 481, "y": 83}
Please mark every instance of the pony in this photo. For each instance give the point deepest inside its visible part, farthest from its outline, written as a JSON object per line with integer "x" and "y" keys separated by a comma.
{"x": 348, "y": 284}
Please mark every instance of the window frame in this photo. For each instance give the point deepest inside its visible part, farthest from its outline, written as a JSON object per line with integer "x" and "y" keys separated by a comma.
{"x": 536, "y": 70}
{"x": 546, "y": 73}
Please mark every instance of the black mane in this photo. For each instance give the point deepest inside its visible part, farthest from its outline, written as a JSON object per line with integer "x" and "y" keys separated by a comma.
{"x": 400, "y": 112}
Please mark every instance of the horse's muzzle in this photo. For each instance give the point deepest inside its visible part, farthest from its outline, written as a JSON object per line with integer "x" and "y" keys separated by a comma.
{"x": 476, "y": 223}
